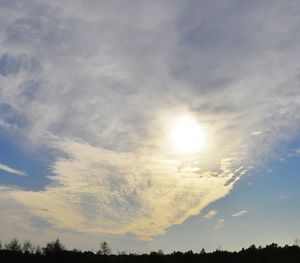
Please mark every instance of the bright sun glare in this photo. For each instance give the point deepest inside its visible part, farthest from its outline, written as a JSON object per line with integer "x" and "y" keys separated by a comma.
{"x": 187, "y": 135}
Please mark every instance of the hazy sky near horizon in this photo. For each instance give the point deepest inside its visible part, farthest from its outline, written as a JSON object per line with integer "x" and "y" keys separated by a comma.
{"x": 90, "y": 92}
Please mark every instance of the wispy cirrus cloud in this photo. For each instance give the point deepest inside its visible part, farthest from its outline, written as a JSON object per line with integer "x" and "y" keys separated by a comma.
{"x": 11, "y": 170}
{"x": 240, "y": 213}
{"x": 297, "y": 151}
{"x": 219, "y": 224}
{"x": 211, "y": 214}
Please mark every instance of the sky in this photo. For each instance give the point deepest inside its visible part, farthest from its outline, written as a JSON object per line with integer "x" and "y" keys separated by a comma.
{"x": 168, "y": 125}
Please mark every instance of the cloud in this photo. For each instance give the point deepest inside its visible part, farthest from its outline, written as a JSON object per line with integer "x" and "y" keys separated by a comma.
{"x": 98, "y": 84}
{"x": 211, "y": 214}
{"x": 256, "y": 133}
{"x": 8, "y": 169}
{"x": 294, "y": 152}
{"x": 102, "y": 191}
{"x": 297, "y": 151}
{"x": 240, "y": 213}
{"x": 219, "y": 224}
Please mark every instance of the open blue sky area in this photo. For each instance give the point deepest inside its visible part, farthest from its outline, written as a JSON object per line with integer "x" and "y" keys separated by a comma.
{"x": 168, "y": 125}
{"x": 34, "y": 162}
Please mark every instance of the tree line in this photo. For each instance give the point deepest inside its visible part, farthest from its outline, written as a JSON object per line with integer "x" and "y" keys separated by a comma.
{"x": 54, "y": 251}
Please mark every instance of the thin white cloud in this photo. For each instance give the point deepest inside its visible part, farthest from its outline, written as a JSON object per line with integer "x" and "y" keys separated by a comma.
{"x": 11, "y": 170}
{"x": 240, "y": 213}
{"x": 256, "y": 133}
{"x": 211, "y": 214}
{"x": 294, "y": 152}
{"x": 219, "y": 224}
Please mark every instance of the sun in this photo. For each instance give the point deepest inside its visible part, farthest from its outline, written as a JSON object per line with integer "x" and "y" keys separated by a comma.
{"x": 187, "y": 136}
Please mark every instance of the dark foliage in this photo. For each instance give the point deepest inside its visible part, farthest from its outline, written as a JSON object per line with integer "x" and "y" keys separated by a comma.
{"x": 55, "y": 252}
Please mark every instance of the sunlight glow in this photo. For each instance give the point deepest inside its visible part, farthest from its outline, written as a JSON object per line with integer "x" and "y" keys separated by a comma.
{"x": 187, "y": 136}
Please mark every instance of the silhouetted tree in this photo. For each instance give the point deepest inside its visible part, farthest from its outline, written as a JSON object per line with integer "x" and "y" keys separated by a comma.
{"x": 28, "y": 248}
{"x": 219, "y": 248}
{"x": 252, "y": 248}
{"x": 189, "y": 253}
{"x": 38, "y": 250}
{"x": 53, "y": 248}
{"x": 13, "y": 245}
{"x": 54, "y": 252}
{"x": 160, "y": 252}
{"x": 104, "y": 249}
{"x": 272, "y": 246}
